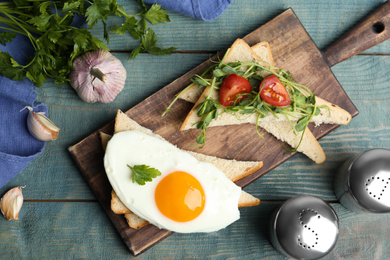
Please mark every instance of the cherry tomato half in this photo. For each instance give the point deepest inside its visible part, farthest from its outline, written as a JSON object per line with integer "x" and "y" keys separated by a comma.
{"x": 273, "y": 92}
{"x": 231, "y": 88}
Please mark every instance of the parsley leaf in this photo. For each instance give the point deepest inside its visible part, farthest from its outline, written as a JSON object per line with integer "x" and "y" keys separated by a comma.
{"x": 143, "y": 6}
{"x": 157, "y": 15}
{"x": 149, "y": 41}
{"x": 41, "y": 22}
{"x": 98, "y": 10}
{"x": 70, "y": 7}
{"x": 6, "y": 37}
{"x": 135, "y": 52}
{"x": 139, "y": 29}
{"x": 130, "y": 25}
{"x": 143, "y": 173}
{"x": 8, "y": 67}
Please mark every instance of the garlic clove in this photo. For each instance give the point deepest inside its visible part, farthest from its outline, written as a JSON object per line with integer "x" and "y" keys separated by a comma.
{"x": 41, "y": 127}
{"x": 11, "y": 203}
{"x": 98, "y": 76}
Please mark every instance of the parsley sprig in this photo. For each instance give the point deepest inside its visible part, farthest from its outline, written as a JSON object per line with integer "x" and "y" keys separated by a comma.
{"x": 57, "y": 41}
{"x": 301, "y": 110}
{"x": 143, "y": 173}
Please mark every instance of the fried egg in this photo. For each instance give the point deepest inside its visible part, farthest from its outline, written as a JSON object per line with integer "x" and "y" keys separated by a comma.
{"x": 188, "y": 196}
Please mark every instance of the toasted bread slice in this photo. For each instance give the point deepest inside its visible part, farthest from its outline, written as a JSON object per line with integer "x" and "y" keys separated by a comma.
{"x": 309, "y": 145}
{"x": 117, "y": 206}
{"x": 192, "y": 93}
{"x": 135, "y": 222}
{"x": 330, "y": 114}
{"x": 104, "y": 138}
{"x": 263, "y": 51}
{"x": 234, "y": 170}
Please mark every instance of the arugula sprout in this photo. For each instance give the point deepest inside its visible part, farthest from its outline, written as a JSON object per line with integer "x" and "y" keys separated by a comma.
{"x": 143, "y": 173}
{"x": 208, "y": 110}
{"x": 48, "y": 25}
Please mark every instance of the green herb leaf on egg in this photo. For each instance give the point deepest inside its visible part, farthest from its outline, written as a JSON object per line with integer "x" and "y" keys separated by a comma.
{"x": 143, "y": 173}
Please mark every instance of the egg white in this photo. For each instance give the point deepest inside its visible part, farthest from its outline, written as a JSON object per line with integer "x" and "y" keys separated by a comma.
{"x": 136, "y": 148}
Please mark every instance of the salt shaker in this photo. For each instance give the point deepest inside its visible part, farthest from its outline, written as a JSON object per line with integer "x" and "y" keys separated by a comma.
{"x": 362, "y": 183}
{"x": 304, "y": 227}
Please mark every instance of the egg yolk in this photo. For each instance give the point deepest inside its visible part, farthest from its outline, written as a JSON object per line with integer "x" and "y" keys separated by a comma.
{"x": 180, "y": 197}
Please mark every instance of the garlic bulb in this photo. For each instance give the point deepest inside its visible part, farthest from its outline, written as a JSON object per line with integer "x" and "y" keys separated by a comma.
{"x": 41, "y": 127}
{"x": 98, "y": 76}
{"x": 11, "y": 203}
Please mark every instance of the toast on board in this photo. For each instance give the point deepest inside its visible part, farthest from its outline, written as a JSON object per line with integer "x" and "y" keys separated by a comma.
{"x": 282, "y": 130}
{"x": 234, "y": 170}
{"x": 241, "y": 51}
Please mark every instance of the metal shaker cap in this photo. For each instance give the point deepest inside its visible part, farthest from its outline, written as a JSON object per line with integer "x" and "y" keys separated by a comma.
{"x": 304, "y": 227}
{"x": 369, "y": 180}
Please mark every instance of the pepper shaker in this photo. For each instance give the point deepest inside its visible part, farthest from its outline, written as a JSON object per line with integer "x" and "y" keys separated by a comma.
{"x": 362, "y": 183}
{"x": 304, "y": 227}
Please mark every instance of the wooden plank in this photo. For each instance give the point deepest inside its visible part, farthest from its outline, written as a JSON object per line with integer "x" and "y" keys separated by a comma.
{"x": 81, "y": 230}
{"x": 66, "y": 230}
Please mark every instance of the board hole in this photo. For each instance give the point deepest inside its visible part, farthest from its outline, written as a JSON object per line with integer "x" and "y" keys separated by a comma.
{"x": 378, "y": 27}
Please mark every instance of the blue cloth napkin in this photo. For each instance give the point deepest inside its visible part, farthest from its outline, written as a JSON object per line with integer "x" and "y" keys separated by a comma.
{"x": 17, "y": 146}
{"x": 206, "y": 10}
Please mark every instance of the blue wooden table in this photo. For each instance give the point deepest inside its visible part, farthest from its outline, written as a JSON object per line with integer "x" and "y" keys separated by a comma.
{"x": 61, "y": 218}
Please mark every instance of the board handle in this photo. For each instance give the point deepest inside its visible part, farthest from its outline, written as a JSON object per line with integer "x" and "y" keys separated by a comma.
{"x": 374, "y": 29}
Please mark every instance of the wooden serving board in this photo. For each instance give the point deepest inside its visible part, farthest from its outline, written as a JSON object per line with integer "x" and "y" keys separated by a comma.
{"x": 293, "y": 50}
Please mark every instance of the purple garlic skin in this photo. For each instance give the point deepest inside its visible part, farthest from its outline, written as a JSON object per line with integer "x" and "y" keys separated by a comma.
{"x": 98, "y": 76}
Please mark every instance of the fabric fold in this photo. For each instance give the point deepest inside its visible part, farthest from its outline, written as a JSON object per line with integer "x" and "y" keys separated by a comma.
{"x": 17, "y": 146}
{"x": 206, "y": 10}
